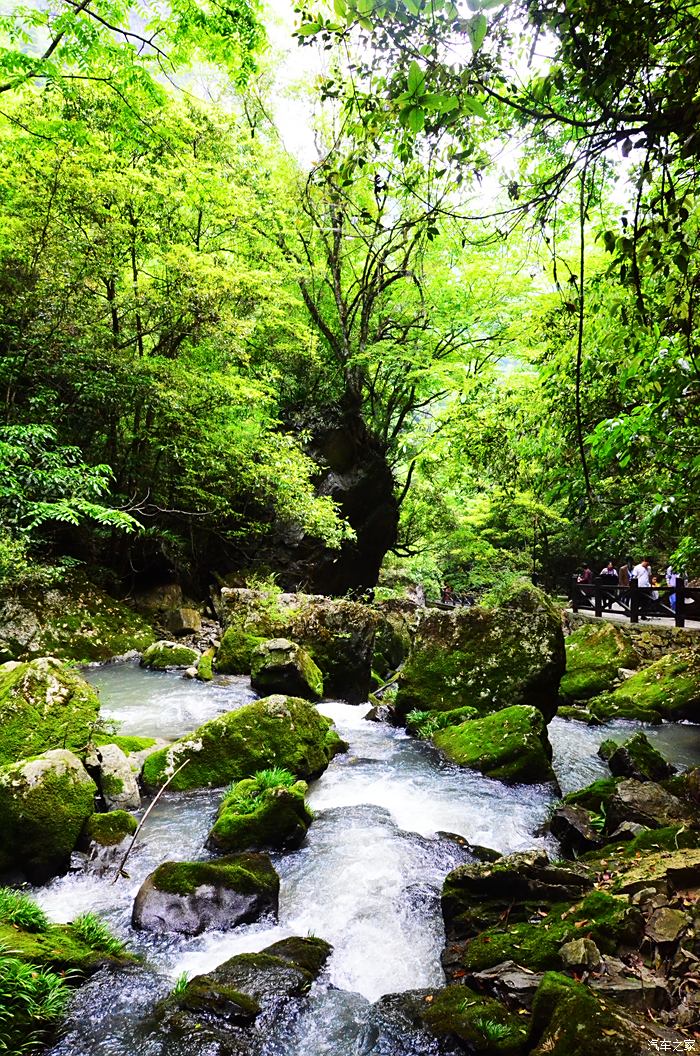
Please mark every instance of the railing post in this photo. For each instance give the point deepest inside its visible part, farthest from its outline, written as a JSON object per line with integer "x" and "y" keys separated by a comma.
{"x": 680, "y": 602}
{"x": 634, "y": 601}
{"x": 598, "y": 599}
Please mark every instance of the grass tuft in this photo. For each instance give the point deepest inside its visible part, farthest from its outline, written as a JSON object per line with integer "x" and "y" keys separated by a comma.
{"x": 19, "y": 909}
{"x": 95, "y": 933}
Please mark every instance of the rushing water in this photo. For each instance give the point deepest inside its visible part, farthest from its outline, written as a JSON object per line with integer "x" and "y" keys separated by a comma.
{"x": 367, "y": 878}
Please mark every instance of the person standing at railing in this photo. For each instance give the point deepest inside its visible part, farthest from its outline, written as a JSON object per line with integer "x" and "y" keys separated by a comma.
{"x": 586, "y": 576}
{"x": 642, "y": 573}
{"x": 671, "y": 580}
{"x": 609, "y": 578}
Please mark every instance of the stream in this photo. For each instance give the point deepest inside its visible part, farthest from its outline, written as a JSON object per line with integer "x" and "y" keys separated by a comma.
{"x": 367, "y": 878}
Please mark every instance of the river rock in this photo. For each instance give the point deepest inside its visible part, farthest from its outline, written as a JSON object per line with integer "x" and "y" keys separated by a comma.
{"x": 510, "y": 745}
{"x": 447, "y": 1021}
{"x": 571, "y": 825}
{"x": 74, "y": 622}
{"x": 183, "y": 620}
{"x": 44, "y": 705}
{"x": 44, "y": 803}
{"x": 336, "y": 633}
{"x": 594, "y": 654}
{"x": 281, "y": 666}
{"x": 188, "y": 897}
{"x": 274, "y": 732}
{"x": 115, "y": 779}
{"x": 254, "y": 816}
{"x": 111, "y": 829}
{"x": 579, "y": 955}
{"x": 667, "y": 925}
{"x": 645, "y": 803}
{"x": 667, "y": 689}
{"x": 636, "y": 758}
{"x": 163, "y": 655}
{"x": 486, "y": 658}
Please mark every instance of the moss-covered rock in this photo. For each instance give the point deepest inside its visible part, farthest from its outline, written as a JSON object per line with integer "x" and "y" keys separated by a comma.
{"x": 569, "y": 1020}
{"x": 44, "y": 804}
{"x": 635, "y": 758}
{"x": 162, "y": 655}
{"x": 594, "y": 655}
{"x": 277, "y": 731}
{"x": 486, "y": 658}
{"x": 445, "y": 1022}
{"x": 606, "y": 919}
{"x": 392, "y": 642}
{"x": 110, "y": 829}
{"x": 426, "y": 723}
{"x": 74, "y": 622}
{"x": 188, "y": 897}
{"x": 510, "y": 745}
{"x": 59, "y": 947}
{"x": 251, "y": 816}
{"x": 112, "y": 772}
{"x": 281, "y": 666}
{"x": 205, "y": 667}
{"x": 595, "y": 796}
{"x": 337, "y": 634}
{"x": 44, "y": 705}
{"x": 667, "y": 689}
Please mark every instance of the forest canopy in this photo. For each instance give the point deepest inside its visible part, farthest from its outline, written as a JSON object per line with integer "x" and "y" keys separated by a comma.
{"x": 460, "y": 342}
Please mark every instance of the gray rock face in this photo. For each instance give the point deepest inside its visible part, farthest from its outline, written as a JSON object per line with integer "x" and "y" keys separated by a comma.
{"x": 667, "y": 925}
{"x": 645, "y": 803}
{"x": 281, "y": 666}
{"x": 581, "y": 955}
{"x": 184, "y": 620}
{"x": 638, "y": 990}
{"x": 188, "y": 897}
{"x": 572, "y": 827}
{"x": 508, "y": 982}
{"x": 114, "y": 776}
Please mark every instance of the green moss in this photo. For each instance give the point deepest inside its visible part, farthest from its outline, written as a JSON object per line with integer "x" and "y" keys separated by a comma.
{"x": 308, "y": 953}
{"x": 281, "y": 666}
{"x": 671, "y": 838}
{"x": 59, "y": 947}
{"x": 246, "y": 873}
{"x": 510, "y": 745}
{"x": 669, "y": 688}
{"x": 592, "y": 796}
{"x": 484, "y": 1024}
{"x": 569, "y": 1020}
{"x": 44, "y": 804}
{"x": 127, "y": 744}
{"x": 636, "y": 758}
{"x": 271, "y": 817}
{"x": 594, "y": 654}
{"x": 275, "y": 731}
{"x": 486, "y": 658}
{"x": 426, "y": 723}
{"x": 200, "y": 996}
{"x": 577, "y": 714}
{"x": 609, "y": 921}
{"x": 205, "y": 672}
{"x": 44, "y": 705}
{"x": 110, "y": 829}
{"x": 162, "y": 655}
{"x": 235, "y": 654}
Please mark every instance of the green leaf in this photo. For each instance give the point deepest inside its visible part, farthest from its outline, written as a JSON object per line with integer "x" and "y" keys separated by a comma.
{"x": 416, "y": 78}
{"x": 441, "y": 103}
{"x": 477, "y": 30}
{"x": 416, "y": 119}
{"x": 473, "y": 106}
{"x": 307, "y": 29}
{"x": 340, "y": 8}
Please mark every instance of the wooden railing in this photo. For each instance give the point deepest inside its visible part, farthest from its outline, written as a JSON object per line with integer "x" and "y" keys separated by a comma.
{"x": 679, "y": 603}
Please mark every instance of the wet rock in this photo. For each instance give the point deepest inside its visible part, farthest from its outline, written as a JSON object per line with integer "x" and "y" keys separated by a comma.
{"x": 188, "y": 897}
{"x": 337, "y": 634}
{"x": 442, "y": 1022}
{"x": 75, "y": 621}
{"x": 510, "y": 745}
{"x": 508, "y": 982}
{"x": 571, "y": 825}
{"x": 579, "y": 955}
{"x": 636, "y": 758}
{"x": 645, "y": 803}
{"x": 109, "y": 830}
{"x": 44, "y": 803}
{"x": 163, "y": 655}
{"x": 44, "y": 705}
{"x": 275, "y": 732}
{"x": 667, "y": 925}
{"x": 594, "y": 653}
{"x": 281, "y": 666}
{"x": 253, "y": 816}
{"x": 486, "y": 658}
{"x": 116, "y": 781}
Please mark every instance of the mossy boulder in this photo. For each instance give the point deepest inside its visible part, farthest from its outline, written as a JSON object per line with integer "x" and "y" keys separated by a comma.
{"x": 277, "y": 731}
{"x": 112, "y": 772}
{"x": 636, "y": 758}
{"x": 392, "y": 642}
{"x": 667, "y": 689}
{"x": 251, "y": 817}
{"x": 536, "y": 943}
{"x": 569, "y": 1020}
{"x": 444, "y": 1021}
{"x": 163, "y": 655}
{"x": 205, "y": 667}
{"x": 108, "y": 830}
{"x": 337, "y": 634}
{"x": 77, "y": 621}
{"x": 510, "y": 745}
{"x": 594, "y": 655}
{"x": 595, "y": 796}
{"x": 44, "y": 705}
{"x": 484, "y": 658}
{"x": 44, "y": 804}
{"x": 188, "y": 897}
{"x": 281, "y": 666}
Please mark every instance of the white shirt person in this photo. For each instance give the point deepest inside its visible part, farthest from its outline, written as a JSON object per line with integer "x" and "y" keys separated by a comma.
{"x": 642, "y": 573}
